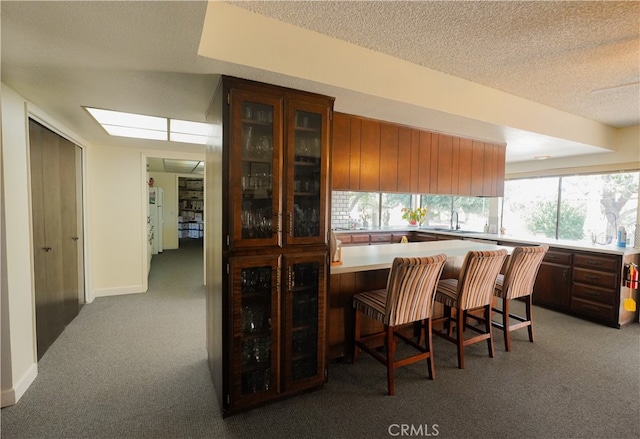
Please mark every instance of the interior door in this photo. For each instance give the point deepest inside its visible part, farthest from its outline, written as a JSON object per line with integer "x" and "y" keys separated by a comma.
{"x": 54, "y": 186}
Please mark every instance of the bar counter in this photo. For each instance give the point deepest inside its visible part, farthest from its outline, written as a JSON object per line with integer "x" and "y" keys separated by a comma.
{"x": 366, "y": 268}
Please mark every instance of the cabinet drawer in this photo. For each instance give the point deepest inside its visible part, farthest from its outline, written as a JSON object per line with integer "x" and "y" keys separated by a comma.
{"x": 596, "y": 262}
{"x": 346, "y": 239}
{"x": 594, "y": 310}
{"x": 596, "y": 294}
{"x": 423, "y": 237}
{"x": 360, "y": 238}
{"x": 593, "y": 277}
{"x": 380, "y": 238}
{"x": 396, "y": 238}
{"x": 558, "y": 257}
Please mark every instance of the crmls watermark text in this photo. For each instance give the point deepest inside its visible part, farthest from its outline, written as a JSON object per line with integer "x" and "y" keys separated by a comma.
{"x": 420, "y": 430}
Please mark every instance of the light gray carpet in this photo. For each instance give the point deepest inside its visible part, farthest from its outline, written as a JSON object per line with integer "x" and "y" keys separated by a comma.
{"x": 135, "y": 366}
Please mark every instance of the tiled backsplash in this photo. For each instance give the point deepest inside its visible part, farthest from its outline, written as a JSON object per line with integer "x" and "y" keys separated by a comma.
{"x": 340, "y": 210}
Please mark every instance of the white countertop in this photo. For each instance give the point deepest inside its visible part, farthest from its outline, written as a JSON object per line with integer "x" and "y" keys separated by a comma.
{"x": 376, "y": 257}
{"x": 611, "y": 249}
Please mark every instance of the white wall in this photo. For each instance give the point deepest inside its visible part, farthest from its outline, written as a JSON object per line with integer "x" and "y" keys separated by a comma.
{"x": 115, "y": 233}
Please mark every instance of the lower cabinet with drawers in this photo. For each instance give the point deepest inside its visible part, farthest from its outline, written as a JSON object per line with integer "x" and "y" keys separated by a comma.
{"x": 585, "y": 284}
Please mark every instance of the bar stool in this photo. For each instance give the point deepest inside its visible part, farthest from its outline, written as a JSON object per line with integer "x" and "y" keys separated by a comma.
{"x": 521, "y": 273}
{"x": 473, "y": 290}
{"x": 408, "y": 298}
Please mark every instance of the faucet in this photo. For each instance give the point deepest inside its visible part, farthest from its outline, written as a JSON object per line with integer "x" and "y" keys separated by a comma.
{"x": 457, "y": 223}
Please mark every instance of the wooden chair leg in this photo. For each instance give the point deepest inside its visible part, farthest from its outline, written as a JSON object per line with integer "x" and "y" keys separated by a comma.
{"x": 488, "y": 326}
{"x": 429, "y": 345}
{"x": 447, "y": 322}
{"x": 391, "y": 350}
{"x": 460, "y": 338}
{"x": 505, "y": 324}
{"x": 356, "y": 349}
{"x": 530, "y": 327}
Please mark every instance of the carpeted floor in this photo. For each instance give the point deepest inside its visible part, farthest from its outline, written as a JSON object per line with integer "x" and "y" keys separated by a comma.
{"x": 135, "y": 366}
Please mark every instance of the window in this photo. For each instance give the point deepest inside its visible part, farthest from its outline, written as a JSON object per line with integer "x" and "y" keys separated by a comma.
{"x": 367, "y": 210}
{"x": 587, "y": 208}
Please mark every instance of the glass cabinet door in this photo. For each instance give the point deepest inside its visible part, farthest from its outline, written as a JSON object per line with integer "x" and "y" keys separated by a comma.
{"x": 255, "y": 158}
{"x": 304, "y": 333}
{"x": 255, "y": 285}
{"x": 306, "y": 178}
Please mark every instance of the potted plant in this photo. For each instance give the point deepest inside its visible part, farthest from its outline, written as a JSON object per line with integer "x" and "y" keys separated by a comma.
{"x": 416, "y": 216}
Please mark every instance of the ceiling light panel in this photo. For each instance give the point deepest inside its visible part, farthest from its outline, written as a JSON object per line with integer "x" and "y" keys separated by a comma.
{"x": 132, "y": 120}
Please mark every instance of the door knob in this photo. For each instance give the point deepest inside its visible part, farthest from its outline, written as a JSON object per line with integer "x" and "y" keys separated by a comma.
{"x": 75, "y": 238}
{"x": 47, "y": 249}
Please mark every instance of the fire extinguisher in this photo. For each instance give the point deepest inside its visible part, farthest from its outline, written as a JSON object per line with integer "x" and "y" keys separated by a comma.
{"x": 631, "y": 276}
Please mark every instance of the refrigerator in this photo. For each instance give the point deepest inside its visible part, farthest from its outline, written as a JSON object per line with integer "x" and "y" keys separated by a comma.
{"x": 156, "y": 216}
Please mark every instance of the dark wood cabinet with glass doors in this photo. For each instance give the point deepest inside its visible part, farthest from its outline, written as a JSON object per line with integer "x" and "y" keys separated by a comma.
{"x": 268, "y": 340}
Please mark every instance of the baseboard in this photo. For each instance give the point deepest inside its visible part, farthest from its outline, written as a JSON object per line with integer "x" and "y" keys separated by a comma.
{"x": 118, "y": 291}
{"x": 11, "y": 396}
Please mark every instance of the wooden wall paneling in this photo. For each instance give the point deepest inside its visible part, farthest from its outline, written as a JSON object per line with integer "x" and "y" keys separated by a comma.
{"x": 341, "y": 152}
{"x": 455, "y": 164}
{"x": 465, "y": 156}
{"x": 444, "y": 164}
{"x": 415, "y": 161}
{"x": 370, "y": 156}
{"x": 389, "y": 149}
{"x": 477, "y": 169}
{"x": 424, "y": 173}
{"x": 405, "y": 164}
{"x": 355, "y": 154}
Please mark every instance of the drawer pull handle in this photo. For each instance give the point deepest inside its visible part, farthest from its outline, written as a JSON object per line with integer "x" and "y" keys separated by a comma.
{"x": 592, "y": 262}
{"x": 592, "y": 293}
{"x": 592, "y": 277}
{"x": 591, "y": 307}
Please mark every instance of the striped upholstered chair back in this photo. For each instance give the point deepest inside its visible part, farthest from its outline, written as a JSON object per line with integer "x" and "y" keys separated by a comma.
{"x": 522, "y": 271}
{"x": 477, "y": 278}
{"x": 411, "y": 289}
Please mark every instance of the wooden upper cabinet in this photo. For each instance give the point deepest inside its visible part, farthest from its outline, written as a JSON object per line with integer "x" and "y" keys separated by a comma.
{"x": 445, "y": 164}
{"x": 424, "y": 163}
{"x": 477, "y": 169}
{"x": 355, "y": 154}
{"x": 389, "y": 157}
{"x": 341, "y": 153}
{"x": 406, "y": 172}
{"x": 370, "y": 156}
{"x": 465, "y": 155}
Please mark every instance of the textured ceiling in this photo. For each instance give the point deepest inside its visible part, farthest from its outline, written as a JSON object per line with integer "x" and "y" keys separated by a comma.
{"x": 141, "y": 57}
{"x": 554, "y": 53}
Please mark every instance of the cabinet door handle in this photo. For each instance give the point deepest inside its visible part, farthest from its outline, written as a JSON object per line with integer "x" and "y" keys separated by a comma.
{"x": 278, "y": 222}
{"x": 75, "y": 238}
{"x": 290, "y": 224}
{"x": 592, "y": 293}
{"x": 277, "y": 279}
{"x": 47, "y": 249}
{"x": 290, "y": 277}
{"x": 564, "y": 274}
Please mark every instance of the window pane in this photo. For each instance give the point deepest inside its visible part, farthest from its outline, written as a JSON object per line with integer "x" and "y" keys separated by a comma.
{"x": 473, "y": 213}
{"x": 530, "y": 207}
{"x": 355, "y": 210}
{"x": 594, "y": 206}
{"x": 392, "y": 205}
{"x": 438, "y": 210}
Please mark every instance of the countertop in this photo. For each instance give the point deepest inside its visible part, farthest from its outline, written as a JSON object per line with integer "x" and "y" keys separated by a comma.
{"x": 376, "y": 257}
{"x": 611, "y": 249}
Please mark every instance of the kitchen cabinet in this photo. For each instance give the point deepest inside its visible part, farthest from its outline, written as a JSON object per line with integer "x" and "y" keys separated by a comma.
{"x": 553, "y": 284}
{"x": 278, "y": 326}
{"x": 381, "y": 156}
{"x": 595, "y": 292}
{"x": 269, "y": 246}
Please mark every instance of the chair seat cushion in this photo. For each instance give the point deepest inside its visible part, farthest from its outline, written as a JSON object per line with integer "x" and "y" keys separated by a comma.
{"x": 371, "y": 303}
{"x": 447, "y": 292}
{"x": 499, "y": 292}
